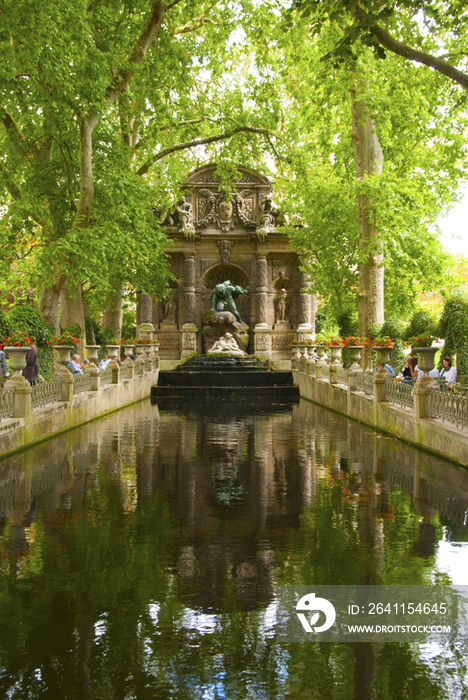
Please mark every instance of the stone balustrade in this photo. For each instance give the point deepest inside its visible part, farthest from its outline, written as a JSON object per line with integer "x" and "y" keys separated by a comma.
{"x": 428, "y": 415}
{"x": 30, "y": 414}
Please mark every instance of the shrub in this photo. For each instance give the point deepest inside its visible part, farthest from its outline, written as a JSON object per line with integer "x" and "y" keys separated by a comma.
{"x": 453, "y": 327}
{"x": 422, "y": 321}
{"x": 394, "y": 328}
{"x": 5, "y": 328}
{"x": 74, "y": 329}
{"x": 29, "y": 320}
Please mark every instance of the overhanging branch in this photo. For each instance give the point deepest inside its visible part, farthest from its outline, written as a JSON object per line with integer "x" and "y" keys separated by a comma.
{"x": 200, "y": 142}
{"x": 408, "y": 52}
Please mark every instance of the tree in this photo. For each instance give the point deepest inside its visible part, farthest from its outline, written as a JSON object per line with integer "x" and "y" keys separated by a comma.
{"x": 95, "y": 97}
{"x": 324, "y": 181}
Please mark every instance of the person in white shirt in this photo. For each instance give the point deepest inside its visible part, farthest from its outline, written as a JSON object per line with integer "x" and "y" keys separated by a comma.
{"x": 434, "y": 372}
{"x": 104, "y": 362}
{"x": 448, "y": 371}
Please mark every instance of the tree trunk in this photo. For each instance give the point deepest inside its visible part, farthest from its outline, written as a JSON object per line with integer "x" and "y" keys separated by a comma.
{"x": 369, "y": 161}
{"x": 112, "y": 316}
{"x": 71, "y": 307}
{"x": 49, "y": 298}
{"x": 91, "y": 340}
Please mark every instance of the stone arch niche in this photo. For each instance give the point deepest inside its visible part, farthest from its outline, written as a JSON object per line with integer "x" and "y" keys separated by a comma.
{"x": 220, "y": 273}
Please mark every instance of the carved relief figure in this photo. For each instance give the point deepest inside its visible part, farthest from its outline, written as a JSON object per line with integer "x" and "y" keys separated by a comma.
{"x": 225, "y": 248}
{"x": 185, "y": 217}
{"x": 282, "y": 304}
{"x": 223, "y": 296}
{"x": 170, "y": 307}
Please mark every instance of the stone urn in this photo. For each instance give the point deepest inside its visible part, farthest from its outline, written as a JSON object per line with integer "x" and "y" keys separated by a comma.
{"x": 355, "y": 357}
{"x": 321, "y": 352}
{"x": 426, "y": 362}
{"x": 92, "y": 353}
{"x": 63, "y": 354}
{"x": 335, "y": 351}
{"x": 17, "y": 357}
{"x": 127, "y": 350}
{"x": 383, "y": 357}
{"x": 112, "y": 351}
{"x": 140, "y": 351}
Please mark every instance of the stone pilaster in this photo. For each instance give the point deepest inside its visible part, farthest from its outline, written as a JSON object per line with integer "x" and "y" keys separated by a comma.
{"x": 189, "y": 290}
{"x": 261, "y": 321}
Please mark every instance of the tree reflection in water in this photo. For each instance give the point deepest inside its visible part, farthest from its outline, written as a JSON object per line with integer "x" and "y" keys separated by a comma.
{"x": 140, "y": 555}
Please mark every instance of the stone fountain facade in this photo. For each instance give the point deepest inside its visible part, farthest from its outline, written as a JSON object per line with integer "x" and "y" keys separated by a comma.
{"x": 216, "y": 240}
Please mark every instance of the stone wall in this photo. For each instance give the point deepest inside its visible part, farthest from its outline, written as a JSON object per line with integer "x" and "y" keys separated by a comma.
{"x": 440, "y": 438}
{"x": 56, "y": 418}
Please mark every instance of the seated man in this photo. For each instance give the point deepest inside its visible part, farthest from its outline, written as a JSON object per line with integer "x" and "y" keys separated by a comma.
{"x": 74, "y": 365}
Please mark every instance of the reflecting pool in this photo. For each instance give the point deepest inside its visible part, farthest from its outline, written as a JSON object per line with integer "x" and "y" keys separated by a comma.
{"x": 140, "y": 556}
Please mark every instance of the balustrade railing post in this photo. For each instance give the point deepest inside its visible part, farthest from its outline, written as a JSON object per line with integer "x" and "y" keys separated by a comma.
{"x": 352, "y": 378}
{"x": 66, "y": 378}
{"x": 22, "y": 400}
{"x": 380, "y": 377}
{"x": 130, "y": 368}
{"x": 422, "y": 399}
{"x": 95, "y": 378}
{"x": 115, "y": 371}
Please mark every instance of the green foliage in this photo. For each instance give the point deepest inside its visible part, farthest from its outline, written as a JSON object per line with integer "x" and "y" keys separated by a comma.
{"x": 453, "y": 327}
{"x": 422, "y": 321}
{"x": 321, "y": 319}
{"x": 394, "y": 328}
{"x": 108, "y": 335}
{"x": 74, "y": 329}
{"x": 128, "y": 331}
{"x": 28, "y": 319}
{"x": 45, "y": 359}
{"x": 89, "y": 330}
{"x": 5, "y": 328}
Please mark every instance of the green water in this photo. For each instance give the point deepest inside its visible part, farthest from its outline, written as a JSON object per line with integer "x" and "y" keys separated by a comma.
{"x": 140, "y": 554}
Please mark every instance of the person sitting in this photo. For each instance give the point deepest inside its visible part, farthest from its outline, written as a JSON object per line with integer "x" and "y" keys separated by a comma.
{"x": 74, "y": 365}
{"x": 380, "y": 365}
{"x": 434, "y": 373}
{"x": 405, "y": 372}
{"x": 4, "y": 373}
{"x": 104, "y": 362}
{"x": 416, "y": 373}
{"x": 448, "y": 371}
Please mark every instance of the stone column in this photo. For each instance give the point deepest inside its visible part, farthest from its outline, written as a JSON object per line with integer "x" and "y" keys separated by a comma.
{"x": 305, "y": 327}
{"x": 145, "y": 328}
{"x": 262, "y": 336}
{"x": 155, "y": 312}
{"x": 189, "y": 328}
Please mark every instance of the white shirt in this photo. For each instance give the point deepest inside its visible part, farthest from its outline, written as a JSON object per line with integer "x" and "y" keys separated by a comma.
{"x": 449, "y": 374}
{"x": 420, "y": 373}
{"x": 103, "y": 364}
{"x": 434, "y": 372}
